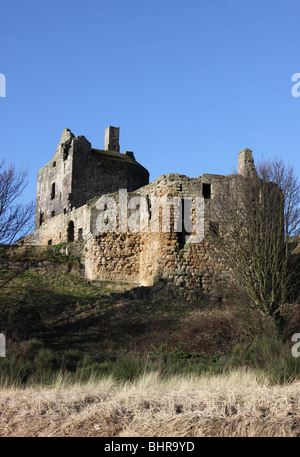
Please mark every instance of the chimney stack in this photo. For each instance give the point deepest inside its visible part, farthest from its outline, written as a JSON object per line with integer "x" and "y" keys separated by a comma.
{"x": 111, "y": 140}
{"x": 246, "y": 165}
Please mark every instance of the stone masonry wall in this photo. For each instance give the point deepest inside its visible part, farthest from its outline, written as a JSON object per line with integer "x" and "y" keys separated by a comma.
{"x": 55, "y": 231}
{"x": 54, "y": 182}
{"x": 146, "y": 257}
{"x": 114, "y": 257}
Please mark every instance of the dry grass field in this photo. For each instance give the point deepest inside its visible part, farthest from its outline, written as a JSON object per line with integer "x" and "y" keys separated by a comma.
{"x": 236, "y": 405}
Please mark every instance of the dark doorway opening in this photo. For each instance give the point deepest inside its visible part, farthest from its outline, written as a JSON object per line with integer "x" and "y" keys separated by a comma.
{"x": 42, "y": 218}
{"x": 70, "y": 232}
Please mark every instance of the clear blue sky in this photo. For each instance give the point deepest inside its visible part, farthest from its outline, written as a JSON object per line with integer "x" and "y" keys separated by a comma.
{"x": 190, "y": 83}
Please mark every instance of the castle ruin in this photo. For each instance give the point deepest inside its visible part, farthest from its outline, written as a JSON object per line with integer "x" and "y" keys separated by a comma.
{"x": 78, "y": 177}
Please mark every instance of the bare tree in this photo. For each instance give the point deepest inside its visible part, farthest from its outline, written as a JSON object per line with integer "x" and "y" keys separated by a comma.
{"x": 259, "y": 217}
{"x": 16, "y": 218}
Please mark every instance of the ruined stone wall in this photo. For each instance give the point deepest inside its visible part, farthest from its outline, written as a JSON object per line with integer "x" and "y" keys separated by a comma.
{"x": 54, "y": 182}
{"x": 190, "y": 268}
{"x": 103, "y": 172}
{"x": 146, "y": 256}
{"x": 55, "y": 231}
{"x": 196, "y": 269}
{"x": 114, "y": 257}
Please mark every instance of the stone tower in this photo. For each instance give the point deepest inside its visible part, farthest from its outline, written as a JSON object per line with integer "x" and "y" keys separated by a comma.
{"x": 111, "y": 140}
{"x": 78, "y": 173}
{"x": 246, "y": 165}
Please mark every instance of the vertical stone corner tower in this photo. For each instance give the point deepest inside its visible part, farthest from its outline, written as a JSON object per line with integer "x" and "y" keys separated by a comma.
{"x": 246, "y": 165}
{"x": 111, "y": 139}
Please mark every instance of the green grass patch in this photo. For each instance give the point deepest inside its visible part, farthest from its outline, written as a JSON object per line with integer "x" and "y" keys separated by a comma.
{"x": 31, "y": 363}
{"x": 269, "y": 355}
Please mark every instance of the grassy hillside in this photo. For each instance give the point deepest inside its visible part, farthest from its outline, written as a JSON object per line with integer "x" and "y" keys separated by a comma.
{"x": 56, "y": 322}
{"x": 65, "y": 311}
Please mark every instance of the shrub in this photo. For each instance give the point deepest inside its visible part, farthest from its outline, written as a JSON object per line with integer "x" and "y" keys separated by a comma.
{"x": 128, "y": 368}
{"x": 73, "y": 358}
{"x": 271, "y": 356}
{"x": 29, "y": 349}
{"x": 46, "y": 358}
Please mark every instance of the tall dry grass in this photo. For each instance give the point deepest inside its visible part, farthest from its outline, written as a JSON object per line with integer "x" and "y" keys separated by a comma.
{"x": 238, "y": 404}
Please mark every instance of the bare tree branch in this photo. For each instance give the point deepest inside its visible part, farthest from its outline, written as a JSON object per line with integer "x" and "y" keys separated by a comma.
{"x": 259, "y": 216}
{"x": 16, "y": 219}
